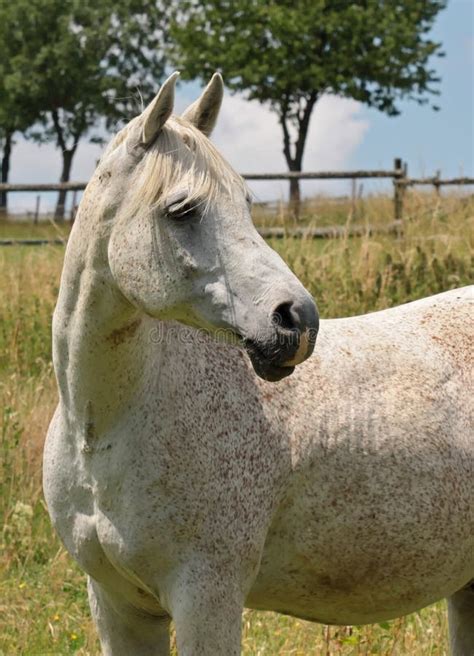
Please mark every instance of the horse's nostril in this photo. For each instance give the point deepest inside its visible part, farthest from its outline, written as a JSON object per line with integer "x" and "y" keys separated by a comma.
{"x": 284, "y": 316}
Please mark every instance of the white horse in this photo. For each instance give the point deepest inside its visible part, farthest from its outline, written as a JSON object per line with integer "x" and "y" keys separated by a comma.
{"x": 188, "y": 487}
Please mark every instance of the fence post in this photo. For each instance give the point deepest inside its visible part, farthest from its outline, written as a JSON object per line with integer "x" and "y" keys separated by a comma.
{"x": 72, "y": 216}
{"x": 404, "y": 188}
{"x": 437, "y": 186}
{"x": 37, "y": 209}
{"x": 353, "y": 197}
{"x": 399, "y": 173}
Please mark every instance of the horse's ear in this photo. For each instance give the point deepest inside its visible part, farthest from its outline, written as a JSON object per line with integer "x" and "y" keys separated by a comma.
{"x": 203, "y": 113}
{"x": 159, "y": 110}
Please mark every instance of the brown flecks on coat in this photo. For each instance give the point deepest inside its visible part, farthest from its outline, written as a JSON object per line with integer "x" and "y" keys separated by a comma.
{"x": 116, "y": 337}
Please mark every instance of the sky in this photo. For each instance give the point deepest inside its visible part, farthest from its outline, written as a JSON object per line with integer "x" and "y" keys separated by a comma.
{"x": 343, "y": 135}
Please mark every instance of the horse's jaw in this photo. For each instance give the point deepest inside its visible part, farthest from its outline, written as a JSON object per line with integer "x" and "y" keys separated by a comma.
{"x": 264, "y": 368}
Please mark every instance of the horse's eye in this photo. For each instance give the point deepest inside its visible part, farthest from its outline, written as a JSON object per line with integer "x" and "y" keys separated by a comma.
{"x": 182, "y": 212}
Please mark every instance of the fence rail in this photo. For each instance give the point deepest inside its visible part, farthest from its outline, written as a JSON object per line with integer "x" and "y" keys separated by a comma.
{"x": 323, "y": 175}
{"x": 398, "y": 175}
{"x": 33, "y": 242}
{"x": 58, "y": 186}
{"x": 288, "y": 175}
{"x": 435, "y": 181}
{"x": 330, "y": 232}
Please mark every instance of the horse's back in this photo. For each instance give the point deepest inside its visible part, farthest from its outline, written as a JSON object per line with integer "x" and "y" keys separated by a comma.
{"x": 425, "y": 344}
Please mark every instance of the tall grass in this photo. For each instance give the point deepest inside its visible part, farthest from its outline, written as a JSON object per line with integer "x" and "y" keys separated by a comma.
{"x": 43, "y": 606}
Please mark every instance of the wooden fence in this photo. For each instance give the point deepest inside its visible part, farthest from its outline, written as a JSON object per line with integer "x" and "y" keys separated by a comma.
{"x": 398, "y": 175}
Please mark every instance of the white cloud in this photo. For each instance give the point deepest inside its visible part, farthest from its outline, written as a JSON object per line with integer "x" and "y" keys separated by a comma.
{"x": 248, "y": 135}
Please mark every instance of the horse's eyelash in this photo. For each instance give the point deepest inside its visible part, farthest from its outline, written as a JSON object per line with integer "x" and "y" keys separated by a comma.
{"x": 182, "y": 212}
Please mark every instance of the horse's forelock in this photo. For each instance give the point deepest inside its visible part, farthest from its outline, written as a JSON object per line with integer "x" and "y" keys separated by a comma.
{"x": 182, "y": 155}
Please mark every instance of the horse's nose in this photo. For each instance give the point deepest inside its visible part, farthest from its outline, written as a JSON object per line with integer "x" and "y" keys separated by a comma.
{"x": 286, "y": 317}
{"x": 296, "y": 325}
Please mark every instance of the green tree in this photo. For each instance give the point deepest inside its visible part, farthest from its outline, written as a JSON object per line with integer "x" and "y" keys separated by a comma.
{"x": 287, "y": 54}
{"x": 17, "y": 111}
{"x": 82, "y": 61}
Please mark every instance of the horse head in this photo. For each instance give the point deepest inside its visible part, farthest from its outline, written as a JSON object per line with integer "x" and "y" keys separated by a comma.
{"x": 182, "y": 244}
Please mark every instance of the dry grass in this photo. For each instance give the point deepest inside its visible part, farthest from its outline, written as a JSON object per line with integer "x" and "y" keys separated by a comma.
{"x": 374, "y": 209}
{"x": 43, "y": 607}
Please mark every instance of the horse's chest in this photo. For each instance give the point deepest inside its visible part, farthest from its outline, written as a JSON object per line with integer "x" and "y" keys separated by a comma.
{"x": 164, "y": 490}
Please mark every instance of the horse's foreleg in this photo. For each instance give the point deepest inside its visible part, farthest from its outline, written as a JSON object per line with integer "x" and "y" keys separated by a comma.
{"x": 123, "y": 630}
{"x": 207, "y": 614}
{"x": 461, "y": 621}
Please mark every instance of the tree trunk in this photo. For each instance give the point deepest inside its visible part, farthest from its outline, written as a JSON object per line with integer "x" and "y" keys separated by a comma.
{"x": 68, "y": 154}
{"x": 7, "y": 150}
{"x": 65, "y": 177}
{"x": 295, "y": 192}
{"x": 294, "y": 152}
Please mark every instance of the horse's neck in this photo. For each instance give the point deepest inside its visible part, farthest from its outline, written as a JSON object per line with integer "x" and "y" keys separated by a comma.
{"x": 99, "y": 341}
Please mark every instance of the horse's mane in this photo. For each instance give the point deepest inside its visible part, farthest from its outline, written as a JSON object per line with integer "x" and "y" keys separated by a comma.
{"x": 182, "y": 156}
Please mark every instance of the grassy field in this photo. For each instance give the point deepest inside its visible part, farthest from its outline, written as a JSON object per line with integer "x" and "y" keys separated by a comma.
{"x": 43, "y": 606}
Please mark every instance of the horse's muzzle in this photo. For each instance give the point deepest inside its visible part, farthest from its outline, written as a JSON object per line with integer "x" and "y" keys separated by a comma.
{"x": 292, "y": 340}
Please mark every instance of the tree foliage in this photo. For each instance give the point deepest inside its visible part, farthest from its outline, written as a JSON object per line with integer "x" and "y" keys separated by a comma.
{"x": 79, "y": 61}
{"x": 287, "y": 54}
{"x": 17, "y": 111}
